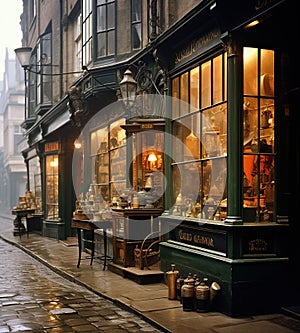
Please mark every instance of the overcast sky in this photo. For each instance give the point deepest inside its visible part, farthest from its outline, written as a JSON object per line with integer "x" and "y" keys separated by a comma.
{"x": 10, "y": 29}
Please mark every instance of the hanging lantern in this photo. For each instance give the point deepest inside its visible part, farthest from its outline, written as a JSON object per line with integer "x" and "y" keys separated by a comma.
{"x": 128, "y": 88}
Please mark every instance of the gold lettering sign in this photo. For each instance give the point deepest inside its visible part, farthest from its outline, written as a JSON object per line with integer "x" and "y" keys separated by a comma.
{"x": 51, "y": 146}
{"x": 185, "y": 236}
{"x": 202, "y": 240}
{"x": 258, "y": 245}
{"x": 195, "y": 45}
{"x": 147, "y": 126}
{"x": 197, "y": 239}
{"x": 262, "y": 3}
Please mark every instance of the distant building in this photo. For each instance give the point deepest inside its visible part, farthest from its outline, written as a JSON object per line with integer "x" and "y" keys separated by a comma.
{"x": 12, "y": 166}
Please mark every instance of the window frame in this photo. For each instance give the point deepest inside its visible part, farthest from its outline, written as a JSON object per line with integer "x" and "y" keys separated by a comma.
{"x": 135, "y": 22}
{"x": 110, "y": 43}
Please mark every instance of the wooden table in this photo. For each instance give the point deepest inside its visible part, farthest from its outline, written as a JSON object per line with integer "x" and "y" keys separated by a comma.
{"x": 91, "y": 225}
{"x": 20, "y": 213}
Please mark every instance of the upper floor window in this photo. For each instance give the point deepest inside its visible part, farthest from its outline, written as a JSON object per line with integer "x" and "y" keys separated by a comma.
{"x": 87, "y": 30}
{"x": 32, "y": 10}
{"x": 44, "y": 69}
{"x": 31, "y": 96}
{"x": 105, "y": 28}
{"x": 136, "y": 24}
{"x": 77, "y": 45}
{"x": 40, "y": 76}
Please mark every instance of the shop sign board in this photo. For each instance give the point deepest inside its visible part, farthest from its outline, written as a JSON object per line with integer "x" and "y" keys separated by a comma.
{"x": 212, "y": 240}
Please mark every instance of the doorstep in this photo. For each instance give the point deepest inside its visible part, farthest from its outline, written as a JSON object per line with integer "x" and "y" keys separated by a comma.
{"x": 140, "y": 276}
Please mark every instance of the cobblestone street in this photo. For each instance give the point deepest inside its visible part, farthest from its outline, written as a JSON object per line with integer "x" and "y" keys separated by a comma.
{"x": 35, "y": 299}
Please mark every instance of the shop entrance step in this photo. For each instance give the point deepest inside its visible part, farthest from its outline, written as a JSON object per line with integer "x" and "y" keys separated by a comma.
{"x": 140, "y": 276}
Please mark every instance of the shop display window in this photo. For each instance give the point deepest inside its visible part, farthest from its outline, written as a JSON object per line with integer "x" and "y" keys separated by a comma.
{"x": 108, "y": 155}
{"x": 35, "y": 182}
{"x": 148, "y": 166}
{"x": 199, "y": 128}
{"x": 202, "y": 132}
{"x": 51, "y": 179}
{"x": 259, "y": 134}
{"x": 116, "y": 177}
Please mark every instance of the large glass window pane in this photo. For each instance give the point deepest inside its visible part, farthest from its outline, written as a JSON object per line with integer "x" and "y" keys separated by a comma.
{"x": 214, "y": 130}
{"x": 205, "y": 84}
{"x": 175, "y": 100}
{"x": 101, "y": 19}
{"x": 267, "y": 73}
{"x": 108, "y": 157}
{"x": 110, "y": 16}
{"x": 51, "y": 187}
{"x": 136, "y": 24}
{"x": 259, "y": 150}
{"x": 111, "y": 42}
{"x": 200, "y": 142}
{"x": 46, "y": 62}
{"x": 194, "y": 88}
{"x": 35, "y": 182}
{"x": 217, "y": 80}
{"x": 102, "y": 44}
{"x": 136, "y": 10}
{"x": 99, "y": 141}
{"x": 250, "y": 71}
{"x": 136, "y": 36}
{"x": 251, "y": 114}
{"x": 184, "y": 93}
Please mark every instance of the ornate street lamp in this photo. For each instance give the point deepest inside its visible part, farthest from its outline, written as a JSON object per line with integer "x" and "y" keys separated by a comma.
{"x": 128, "y": 88}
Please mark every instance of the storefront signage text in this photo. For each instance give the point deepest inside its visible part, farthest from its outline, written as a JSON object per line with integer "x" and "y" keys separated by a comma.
{"x": 257, "y": 244}
{"x": 195, "y": 45}
{"x": 262, "y": 4}
{"x": 147, "y": 126}
{"x": 51, "y": 146}
{"x": 201, "y": 237}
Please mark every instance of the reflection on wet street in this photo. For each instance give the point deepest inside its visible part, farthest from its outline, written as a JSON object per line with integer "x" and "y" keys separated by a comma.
{"x": 33, "y": 298}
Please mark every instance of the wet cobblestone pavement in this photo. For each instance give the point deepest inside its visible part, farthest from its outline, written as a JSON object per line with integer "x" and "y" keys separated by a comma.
{"x": 33, "y": 298}
{"x": 42, "y": 290}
